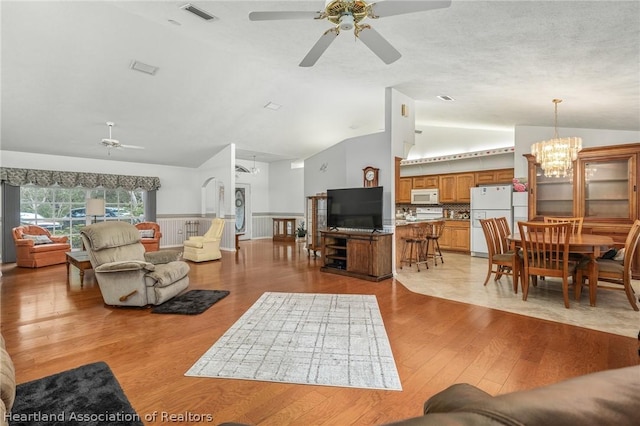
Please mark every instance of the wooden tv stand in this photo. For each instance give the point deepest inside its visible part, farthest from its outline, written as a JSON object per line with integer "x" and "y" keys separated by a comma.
{"x": 357, "y": 254}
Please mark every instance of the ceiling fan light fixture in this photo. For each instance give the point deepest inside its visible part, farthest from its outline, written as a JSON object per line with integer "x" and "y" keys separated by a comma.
{"x": 346, "y": 22}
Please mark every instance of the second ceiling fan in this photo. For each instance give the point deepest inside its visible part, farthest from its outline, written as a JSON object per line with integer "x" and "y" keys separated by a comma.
{"x": 348, "y": 15}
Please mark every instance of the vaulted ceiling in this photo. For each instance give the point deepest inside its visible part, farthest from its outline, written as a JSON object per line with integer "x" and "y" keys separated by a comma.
{"x": 66, "y": 72}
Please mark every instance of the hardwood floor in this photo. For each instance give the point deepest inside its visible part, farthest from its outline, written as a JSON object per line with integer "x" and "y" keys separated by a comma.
{"x": 50, "y": 326}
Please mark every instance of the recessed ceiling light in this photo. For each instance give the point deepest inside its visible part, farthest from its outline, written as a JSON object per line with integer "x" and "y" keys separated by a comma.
{"x": 273, "y": 106}
{"x": 174, "y": 22}
{"x": 418, "y": 132}
{"x": 145, "y": 68}
{"x": 445, "y": 98}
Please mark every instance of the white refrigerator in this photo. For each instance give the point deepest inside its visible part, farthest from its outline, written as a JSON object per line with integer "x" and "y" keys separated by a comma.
{"x": 488, "y": 202}
{"x": 520, "y": 209}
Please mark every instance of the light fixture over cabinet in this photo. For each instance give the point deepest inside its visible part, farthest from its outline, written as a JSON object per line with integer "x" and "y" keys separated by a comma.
{"x": 556, "y": 156}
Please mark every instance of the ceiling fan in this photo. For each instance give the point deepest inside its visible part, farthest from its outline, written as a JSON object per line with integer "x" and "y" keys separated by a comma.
{"x": 114, "y": 143}
{"x": 348, "y": 15}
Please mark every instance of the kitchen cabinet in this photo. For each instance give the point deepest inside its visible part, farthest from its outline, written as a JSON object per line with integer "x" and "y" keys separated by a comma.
{"x": 403, "y": 195}
{"x": 456, "y": 188}
{"x": 456, "y": 236}
{"x": 603, "y": 189}
{"x": 425, "y": 182}
{"x": 488, "y": 177}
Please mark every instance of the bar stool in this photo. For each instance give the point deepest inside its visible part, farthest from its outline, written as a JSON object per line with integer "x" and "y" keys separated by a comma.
{"x": 415, "y": 244}
{"x": 433, "y": 246}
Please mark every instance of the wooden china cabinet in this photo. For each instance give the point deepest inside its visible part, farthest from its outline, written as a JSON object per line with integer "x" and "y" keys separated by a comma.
{"x": 603, "y": 189}
{"x": 316, "y": 216}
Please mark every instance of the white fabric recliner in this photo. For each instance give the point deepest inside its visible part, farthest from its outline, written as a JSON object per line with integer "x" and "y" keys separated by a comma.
{"x": 206, "y": 247}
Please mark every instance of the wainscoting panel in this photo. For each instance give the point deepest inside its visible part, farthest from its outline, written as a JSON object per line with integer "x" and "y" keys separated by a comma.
{"x": 176, "y": 230}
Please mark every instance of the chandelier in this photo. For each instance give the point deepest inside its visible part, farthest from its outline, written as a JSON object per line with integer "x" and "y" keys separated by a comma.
{"x": 556, "y": 156}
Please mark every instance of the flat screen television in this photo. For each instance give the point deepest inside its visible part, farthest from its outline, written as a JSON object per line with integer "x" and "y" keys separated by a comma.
{"x": 356, "y": 208}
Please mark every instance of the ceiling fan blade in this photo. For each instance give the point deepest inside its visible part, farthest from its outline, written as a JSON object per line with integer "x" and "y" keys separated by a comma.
{"x": 391, "y": 8}
{"x": 379, "y": 45}
{"x": 318, "y": 49}
{"x": 131, "y": 146}
{"x": 273, "y": 16}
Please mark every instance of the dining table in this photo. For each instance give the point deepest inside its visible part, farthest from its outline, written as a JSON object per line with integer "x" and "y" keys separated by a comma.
{"x": 589, "y": 245}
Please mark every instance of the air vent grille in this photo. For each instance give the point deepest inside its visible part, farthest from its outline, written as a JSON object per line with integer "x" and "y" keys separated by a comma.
{"x": 198, "y": 12}
{"x": 142, "y": 67}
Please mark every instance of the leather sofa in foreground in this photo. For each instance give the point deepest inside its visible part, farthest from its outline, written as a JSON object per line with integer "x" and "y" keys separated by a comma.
{"x": 610, "y": 397}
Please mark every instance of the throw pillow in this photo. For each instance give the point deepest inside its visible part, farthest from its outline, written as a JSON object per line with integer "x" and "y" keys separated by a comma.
{"x": 38, "y": 239}
{"x": 610, "y": 254}
{"x": 620, "y": 255}
{"x": 146, "y": 233}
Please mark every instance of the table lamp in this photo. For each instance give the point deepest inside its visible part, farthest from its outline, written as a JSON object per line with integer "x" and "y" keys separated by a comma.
{"x": 95, "y": 208}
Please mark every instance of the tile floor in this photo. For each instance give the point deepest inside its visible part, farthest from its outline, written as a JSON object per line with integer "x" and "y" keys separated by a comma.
{"x": 460, "y": 278}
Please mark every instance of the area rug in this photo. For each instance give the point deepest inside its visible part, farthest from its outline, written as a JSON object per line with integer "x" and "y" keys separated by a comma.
{"x": 193, "y": 302}
{"x": 87, "y": 395}
{"x": 305, "y": 338}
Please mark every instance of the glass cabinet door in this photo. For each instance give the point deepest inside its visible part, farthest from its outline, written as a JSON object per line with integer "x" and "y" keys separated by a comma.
{"x": 606, "y": 188}
{"x": 554, "y": 195}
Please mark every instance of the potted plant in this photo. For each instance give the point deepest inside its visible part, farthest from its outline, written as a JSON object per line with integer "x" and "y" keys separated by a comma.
{"x": 300, "y": 231}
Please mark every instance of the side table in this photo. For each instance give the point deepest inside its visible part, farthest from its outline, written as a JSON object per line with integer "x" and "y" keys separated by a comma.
{"x": 79, "y": 259}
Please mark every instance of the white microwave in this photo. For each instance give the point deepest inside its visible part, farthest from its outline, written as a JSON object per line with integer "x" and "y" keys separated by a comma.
{"x": 424, "y": 196}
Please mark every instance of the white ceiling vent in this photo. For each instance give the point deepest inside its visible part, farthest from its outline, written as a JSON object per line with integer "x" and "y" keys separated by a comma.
{"x": 139, "y": 66}
{"x": 198, "y": 12}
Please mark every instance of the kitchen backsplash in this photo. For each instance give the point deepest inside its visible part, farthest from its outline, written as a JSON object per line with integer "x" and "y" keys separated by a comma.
{"x": 458, "y": 209}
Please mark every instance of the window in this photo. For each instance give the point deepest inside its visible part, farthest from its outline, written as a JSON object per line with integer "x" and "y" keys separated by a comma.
{"x": 62, "y": 210}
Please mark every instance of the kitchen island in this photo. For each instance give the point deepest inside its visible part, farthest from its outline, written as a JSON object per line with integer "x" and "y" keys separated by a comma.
{"x": 455, "y": 237}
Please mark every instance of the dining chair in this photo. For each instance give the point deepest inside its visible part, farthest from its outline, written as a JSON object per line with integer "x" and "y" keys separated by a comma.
{"x": 576, "y": 229}
{"x": 546, "y": 252}
{"x": 617, "y": 274}
{"x": 576, "y": 222}
{"x": 503, "y": 231}
{"x": 506, "y": 262}
{"x": 433, "y": 235}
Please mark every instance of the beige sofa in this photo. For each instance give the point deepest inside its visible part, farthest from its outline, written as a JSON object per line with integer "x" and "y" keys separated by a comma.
{"x": 7, "y": 383}
{"x": 128, "y": 276}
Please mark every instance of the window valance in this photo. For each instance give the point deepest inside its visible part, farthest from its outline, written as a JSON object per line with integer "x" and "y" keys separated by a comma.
{"x": 46, "y": 178}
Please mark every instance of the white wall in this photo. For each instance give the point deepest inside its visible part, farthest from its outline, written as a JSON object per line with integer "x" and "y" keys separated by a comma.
{"x": 259, "y": 185}
{"x": 287, "y": 188}
{"x": 219, "y": 194}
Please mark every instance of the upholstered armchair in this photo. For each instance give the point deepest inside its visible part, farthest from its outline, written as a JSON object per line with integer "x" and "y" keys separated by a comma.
{"x": 149, "y": 235}
{"x": 206, "y": 247}
{"x": 128, "y": 276}
{"x": 36, "y": 247}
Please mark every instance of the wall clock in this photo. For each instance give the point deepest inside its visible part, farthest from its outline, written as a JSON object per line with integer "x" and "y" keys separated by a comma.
{"x": 370, "y": 176}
